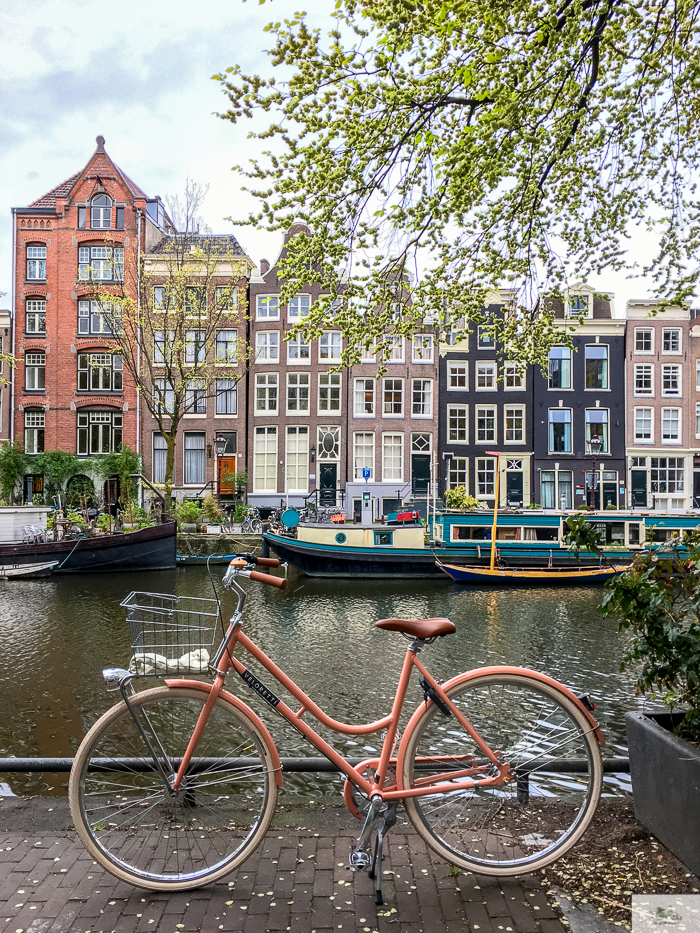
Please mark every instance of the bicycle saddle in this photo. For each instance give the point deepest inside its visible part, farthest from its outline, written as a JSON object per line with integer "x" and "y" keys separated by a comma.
{"x": 418, "y": 628}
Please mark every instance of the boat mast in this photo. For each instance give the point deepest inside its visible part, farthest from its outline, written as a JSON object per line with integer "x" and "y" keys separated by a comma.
{"x": 496, "y": 454}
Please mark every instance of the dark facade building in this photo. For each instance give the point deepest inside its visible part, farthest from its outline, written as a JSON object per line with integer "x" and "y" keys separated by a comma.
{"x": 582, "y": 397}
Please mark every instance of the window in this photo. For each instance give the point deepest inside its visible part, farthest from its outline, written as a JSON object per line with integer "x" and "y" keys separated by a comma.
{"x": 560, "y": 430}
{"x": 515, "y": 424}
{"x": 195, "y": 398}
{"x": 485, "y": 337}
{"x": 671, "y": 340}
{"x": 559, "y": 368}
{"x": 160, "y": 457}
{"x": 226, "y": 346}
{"x": 163, "y": 298}
{"x": 485, "y": 477}
{"x": 363, "y": 454}
{"x": 194, "y": 459}
{"x": 36, "y": 262}
{"x": 266, "y": 393}
{"x": 578, "y": 306}
{"x": 643, "y": 340}
{"x": 101, "y": 212}
{"x": 164, "y": 395}
{"x": 457, "y": 424}
{"x": 265, "y": 460}
{"x": 96, "y": 317}
{"x": 423, "y": 348}
{"x": 226, "y": 397}
{"x": 299, "y": 308}
{"x": 267, "y": 346}
{"x": 195, "y": 349}
{"x": 697, "y": 419}
{"x": 298, "y": 392}
{"x": 99, "y": 432}
{"x": 195, "y": 300}
{"x": 421, "y": 443}
{"x": 667, "y": 474}
{"x": 267, "y": 308}
{"x": 422, "y": 404}
{"x": 643, "y": 379}
{"x": 597, "y": 426}
{"x": 514, "y": 378}
{"x": 34, "y": 421}
{"x": 639, "y": 462}
{"x": 597, "y": 366}
{"x": 364, "y": 398}
{"x": 393, "y": 397}
{"x": 394, "y": 348}
{"x": 100, "y": 372}
{"x": 368, "y": 353}
{"x": 35, "y": 316}
{"x": 566, "y": 491}
{"x": 226, "y": 297}
{"x": 457, "y": 472}
{"x": 329, "y": 346}
{"x": 548, "y": 489}
{"x": 329, "y": 392}
{"x": 485, "y": 376}
{"x": 485, "y": 424}
{"x": 697, "y": 375}
{"x": 643, "y": 425}
{"x": 328, "y": 442}
{"x": 671, "y": 380}
{"x": 670, "y": 426}
{"x": 34, "y": 371}
{"x": 392, "y": 457}
{"x": 100, "y": 263}
{"x": 457, "y": 376}
{"x": 298, "y": 351}
{"x": 297, "y": 462}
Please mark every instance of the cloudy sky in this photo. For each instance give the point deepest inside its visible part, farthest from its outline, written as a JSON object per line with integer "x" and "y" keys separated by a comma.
{"x": 139, "y": 74}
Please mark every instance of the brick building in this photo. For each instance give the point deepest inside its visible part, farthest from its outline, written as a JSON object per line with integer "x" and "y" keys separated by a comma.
{"x": 5, "y": 375}
{"x": 70, "y": 391}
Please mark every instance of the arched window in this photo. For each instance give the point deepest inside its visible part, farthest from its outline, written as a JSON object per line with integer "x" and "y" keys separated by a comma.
{"x": 101, "y": 212}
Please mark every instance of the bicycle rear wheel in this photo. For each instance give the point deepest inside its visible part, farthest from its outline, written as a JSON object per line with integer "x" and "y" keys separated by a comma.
{"x": 554, "y": 758}
{"x": 125, "y": 814}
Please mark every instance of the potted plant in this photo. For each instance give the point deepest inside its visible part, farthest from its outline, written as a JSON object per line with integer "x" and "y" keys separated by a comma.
{"x": 212, "y": 515}
{"x": 656, "y": 601}
{"x": 187, "y": 514}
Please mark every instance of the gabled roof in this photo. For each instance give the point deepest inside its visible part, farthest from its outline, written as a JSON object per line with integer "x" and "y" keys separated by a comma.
{"x": 60, "y": 191}
{"x": 223, "y": 244}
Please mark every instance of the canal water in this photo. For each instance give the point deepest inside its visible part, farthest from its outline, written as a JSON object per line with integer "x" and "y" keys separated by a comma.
{"x": 57, "y": 634}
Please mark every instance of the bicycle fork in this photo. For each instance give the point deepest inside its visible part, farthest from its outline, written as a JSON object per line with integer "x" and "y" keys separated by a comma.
{"x": 384, "y": 814}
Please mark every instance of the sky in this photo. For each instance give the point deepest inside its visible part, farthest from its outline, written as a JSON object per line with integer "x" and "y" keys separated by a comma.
{"x": 139, "y": 74}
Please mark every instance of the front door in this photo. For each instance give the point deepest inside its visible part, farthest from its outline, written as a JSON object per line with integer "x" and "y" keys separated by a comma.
{"x": 696, "y": 490}
{"x": 227, "y": 472}
{"x": 111, "y": 494}
{"x": 514, "y": 489}
{"x": 609, "y": 495}
{"x": 420, "y": 474}
{"x": 328, "y": 478}
{"x": 639, "y": 489}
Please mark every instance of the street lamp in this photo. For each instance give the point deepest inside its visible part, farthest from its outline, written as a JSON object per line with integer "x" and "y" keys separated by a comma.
{"x": 220, "y": 447}
{"x": 596, "y": 445}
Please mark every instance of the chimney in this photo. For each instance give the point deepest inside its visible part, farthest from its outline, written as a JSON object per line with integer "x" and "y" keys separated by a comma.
{"x": 264, "y": 266}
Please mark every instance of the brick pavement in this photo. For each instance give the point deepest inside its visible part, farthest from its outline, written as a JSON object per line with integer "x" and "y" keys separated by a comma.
{"x": 297, "y": 881}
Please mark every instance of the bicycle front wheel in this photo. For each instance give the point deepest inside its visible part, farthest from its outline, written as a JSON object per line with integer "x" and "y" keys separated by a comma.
{"x": 555, "y": 762}
{"x": 123, "y": 808}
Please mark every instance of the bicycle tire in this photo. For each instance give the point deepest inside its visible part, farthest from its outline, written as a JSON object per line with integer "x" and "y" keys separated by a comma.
{"x": 501, "y": 831}
{"x": 134, "y": 829}
{"x": 256, "y": 526}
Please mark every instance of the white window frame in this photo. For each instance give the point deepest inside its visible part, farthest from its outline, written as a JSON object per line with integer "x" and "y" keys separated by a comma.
{"x": 422, "y": 348}
{"x": 266, "y": 381}
{"x": 195, "y": 399}
{"x": 195, "y": 347}
{"x": 585, "y": 299}
{"x": 385, "y": 438}
{"x": 294, "y": 381}
{"x": 330, "y": 346}
{"x": 269, "y": 453}
{"x": 267, "y": 308}
{"x": 479, "y": 467}
{"x": 36, "y": 260}
{"x": 426, "y": 400}
{"x": 393, "y": 380}
{"x": 360, "y": 397}
{"x": 638, "y": 414}
{"x": 223, "y": 396}
{"x": 453, "y": 481}
{"x": 666, "y": 368}
{"x": 226, "y": 298}
{"x": 267, "y": 346}
{"x": 523, "y": 430}
{"x": 296, "y": 306}
{"x": 605, "y": 421}
{"x": 486, "y": 369}
{"x": 638, "y": 367}
{"x": 644, "y": 330}
{"x": 298, "y": 456}
{"x": 675, "y": 441}
{"x": 35, "y": 310}
{"x": 363, "y": 460}
{"x": 458, "y": 412}
{"x": 697, "y": 375}
{"x": 226, "y": 343}
{"x": 494, "y": 411}
{"x": 185, "y": 449}
{"x": 697, "y": 419}
{"x": 514, "y": 378}
{"x": 366, "y": 356}
{"x": 35, "y": 371}
{"x": 669, "y": 330}
{"x": 457, "y": 369}
{"x": 298, "y": 344}
{"x": 331, "y": 382}
{"x": 570, "y": 422}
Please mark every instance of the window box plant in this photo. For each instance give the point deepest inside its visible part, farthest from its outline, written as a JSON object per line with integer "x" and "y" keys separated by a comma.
{"x": 656, "y": 601}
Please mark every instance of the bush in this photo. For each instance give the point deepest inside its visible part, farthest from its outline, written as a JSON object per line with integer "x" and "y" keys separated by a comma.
{"x": 458, "y": 498}
{"x": 103, "y": 522}
{"x": 77, "y": 518}
{"x": 239, "y": 514}
{"x": 187, "y": 513}
{"x": 656, "y": 601}
{"x": 13, "y": 461}
{"x": 211, "y": 511}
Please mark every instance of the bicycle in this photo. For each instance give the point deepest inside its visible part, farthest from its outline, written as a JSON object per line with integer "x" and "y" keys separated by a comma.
{"x": 252, "y": 523}
{"x": 175, "y": 787}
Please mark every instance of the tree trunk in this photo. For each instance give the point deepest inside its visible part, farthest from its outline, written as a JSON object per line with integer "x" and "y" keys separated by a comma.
{"x": 169, "y": 467}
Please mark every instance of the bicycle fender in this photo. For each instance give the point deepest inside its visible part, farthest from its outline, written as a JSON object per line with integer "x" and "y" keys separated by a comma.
{"x": 247, "y": 711}
{"x": 503, "y": 669}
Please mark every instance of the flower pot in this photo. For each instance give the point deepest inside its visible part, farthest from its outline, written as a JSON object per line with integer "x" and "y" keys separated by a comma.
{"x": 666, "y": 783}
{"x": 188, "y": 527}
{"x": 213, "y": 529}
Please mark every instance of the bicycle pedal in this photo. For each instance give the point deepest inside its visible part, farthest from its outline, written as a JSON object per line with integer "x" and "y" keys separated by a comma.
{"x": 359, "y": 861}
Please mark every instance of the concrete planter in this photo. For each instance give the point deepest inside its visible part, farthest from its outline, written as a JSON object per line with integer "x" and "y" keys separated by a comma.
{"x": 188, "y": 527}
{"x": 666, "y": 783}
{"x": 213, "y": 529}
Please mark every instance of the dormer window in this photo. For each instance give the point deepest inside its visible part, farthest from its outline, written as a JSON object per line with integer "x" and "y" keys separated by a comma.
{"x": 101, "y": 212}
{"x": 578, "y": 306}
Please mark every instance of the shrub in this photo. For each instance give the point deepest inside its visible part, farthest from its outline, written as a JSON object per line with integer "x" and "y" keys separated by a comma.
{"x": 13, "y": 461}
{"x": 239, "y": 514}
{"x": 187, "y": 513}
{"x": 103, "y": 522}
{"x": 458, "y": 498}
{"x": 211, "y": 510}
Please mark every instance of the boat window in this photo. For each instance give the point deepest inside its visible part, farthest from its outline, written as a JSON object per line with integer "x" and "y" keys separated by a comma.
{"x": 508, "y": 533}
{"x": 659, "y": 535}
{"x": 633, "y": 534}
{"x": 611, "y": 532}
{"x": 383, "y": 537}
{"x": 540, "y": 534}
{"x": 471, "y": 532}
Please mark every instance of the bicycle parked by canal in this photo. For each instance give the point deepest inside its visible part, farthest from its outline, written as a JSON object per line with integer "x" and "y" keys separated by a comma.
{"x": 499, "y": 769}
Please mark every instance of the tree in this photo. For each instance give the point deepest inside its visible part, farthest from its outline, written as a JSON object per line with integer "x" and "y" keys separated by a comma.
{"x": 176, "y": 321}
{"x": 476, "y": 145}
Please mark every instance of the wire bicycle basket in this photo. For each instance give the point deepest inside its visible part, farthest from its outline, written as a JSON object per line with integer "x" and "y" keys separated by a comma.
{"x": 170, "y": 634}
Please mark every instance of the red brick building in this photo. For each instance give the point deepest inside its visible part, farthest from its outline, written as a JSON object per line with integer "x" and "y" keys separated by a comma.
{"x": 69, "y": 391}
{"x": 5, "y": 375}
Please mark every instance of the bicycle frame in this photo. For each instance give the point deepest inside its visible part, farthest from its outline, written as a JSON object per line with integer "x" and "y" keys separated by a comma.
{"x": 376, "y": 784}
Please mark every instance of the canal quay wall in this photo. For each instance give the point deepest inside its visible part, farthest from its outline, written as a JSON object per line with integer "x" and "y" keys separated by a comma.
{"x": 198, "y": 545}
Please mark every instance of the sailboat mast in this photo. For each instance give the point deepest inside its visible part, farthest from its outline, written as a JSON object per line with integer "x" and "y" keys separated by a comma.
{"x": 497, "y": 455}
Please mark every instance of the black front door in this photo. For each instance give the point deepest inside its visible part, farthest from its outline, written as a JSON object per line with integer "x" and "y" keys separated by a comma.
{"x": 514, "y": 489}
{"x": 420, "y": 473}
{"x": 328, "y": 477}
{"x": 609, "y": 495}
{"x": 639, "y": 489}
{"x": 696, "y": 490}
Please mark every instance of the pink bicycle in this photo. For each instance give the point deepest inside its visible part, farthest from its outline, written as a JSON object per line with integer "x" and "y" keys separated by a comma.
{"x": 499, "y": 769}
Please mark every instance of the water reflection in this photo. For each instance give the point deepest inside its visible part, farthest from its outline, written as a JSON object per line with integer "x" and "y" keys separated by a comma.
{"x": 57, "y": 634}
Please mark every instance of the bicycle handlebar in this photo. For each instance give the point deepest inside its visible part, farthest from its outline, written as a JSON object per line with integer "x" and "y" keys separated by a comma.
{"x": 267, "y": 561}
{"x": 268, "y": 578}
